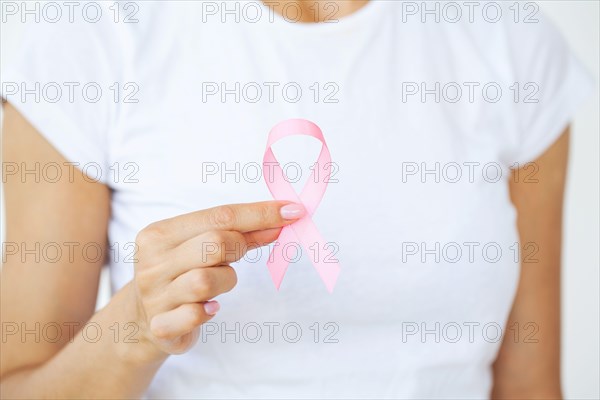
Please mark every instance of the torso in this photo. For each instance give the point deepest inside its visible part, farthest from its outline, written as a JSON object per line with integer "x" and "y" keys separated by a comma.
{"x": 375, "y": 213}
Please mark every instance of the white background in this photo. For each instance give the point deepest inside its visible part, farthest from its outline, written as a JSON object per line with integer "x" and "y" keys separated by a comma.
{"x": 579, "y": 22}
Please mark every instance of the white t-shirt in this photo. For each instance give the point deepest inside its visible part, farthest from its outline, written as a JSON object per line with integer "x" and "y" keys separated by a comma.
{"x": 423, "y": 120}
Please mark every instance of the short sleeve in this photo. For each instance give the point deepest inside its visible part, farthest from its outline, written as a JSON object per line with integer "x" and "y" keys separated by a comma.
{"x": 551, "y": 85}
{"x": 65, "y": 79}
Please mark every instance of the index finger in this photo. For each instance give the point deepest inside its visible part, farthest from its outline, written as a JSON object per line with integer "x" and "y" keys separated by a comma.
{"x": 243, "y": 218}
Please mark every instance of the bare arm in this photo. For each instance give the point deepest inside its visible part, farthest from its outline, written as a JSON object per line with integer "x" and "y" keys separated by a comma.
{"x": 57, "y": 292}
{"x": 531, "y": 368}
{"x": 167, "y": 301}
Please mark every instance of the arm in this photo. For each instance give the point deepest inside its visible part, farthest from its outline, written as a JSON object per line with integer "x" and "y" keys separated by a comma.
{"x": 61, "y": 292}
{"x": 528, "y": 369}
{"x": 167, "y": 301}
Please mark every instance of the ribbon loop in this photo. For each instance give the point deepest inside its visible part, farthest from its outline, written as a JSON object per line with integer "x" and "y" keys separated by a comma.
{"x": 304, "y": 230}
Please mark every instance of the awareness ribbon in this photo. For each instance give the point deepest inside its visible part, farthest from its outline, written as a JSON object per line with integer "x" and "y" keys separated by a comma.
{"x": 304, "y": 230}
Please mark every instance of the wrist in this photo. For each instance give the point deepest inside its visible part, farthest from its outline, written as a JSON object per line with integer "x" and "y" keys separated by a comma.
{"x": 134, "y": 346}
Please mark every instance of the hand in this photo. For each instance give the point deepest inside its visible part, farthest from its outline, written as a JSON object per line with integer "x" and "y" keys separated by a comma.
{"x": 183, "y": 263}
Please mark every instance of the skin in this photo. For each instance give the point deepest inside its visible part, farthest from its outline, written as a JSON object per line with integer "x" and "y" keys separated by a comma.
{"x": 167, "y": 296}
{"x": 315, "y": 11}
{"x": 525, "y": 369}
{"x": 165, "y": 300}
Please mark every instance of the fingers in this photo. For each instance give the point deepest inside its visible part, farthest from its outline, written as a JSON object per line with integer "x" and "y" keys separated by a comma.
{"x": 213, "y": 248}
{"x": 182, "y": 264}
{"x": 205, "y": 250}
{"x": 198, "y": 285}
{"x": 182, "y": 320}
{"x": 261, "y": 238}
{"x": 235, "y": 217}
{"x": 183, "y": 306}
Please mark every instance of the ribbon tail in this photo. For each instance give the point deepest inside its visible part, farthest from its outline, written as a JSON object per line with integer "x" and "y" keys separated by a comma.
{"x": 324, "y": 262}
{"x": 329, "y": 274}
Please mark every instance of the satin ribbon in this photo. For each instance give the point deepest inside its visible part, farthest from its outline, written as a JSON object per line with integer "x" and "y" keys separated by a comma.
{"x": 304, "y": 231}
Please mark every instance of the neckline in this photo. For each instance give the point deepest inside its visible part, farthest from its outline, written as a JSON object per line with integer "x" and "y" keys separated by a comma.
{"x": 358, "y": 17}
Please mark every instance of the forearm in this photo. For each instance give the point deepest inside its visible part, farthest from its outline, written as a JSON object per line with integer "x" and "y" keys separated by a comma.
{"x": 109, "y": 362}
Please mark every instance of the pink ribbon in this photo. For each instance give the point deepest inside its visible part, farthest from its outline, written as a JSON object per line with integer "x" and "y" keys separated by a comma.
{"x": 304, "y": 230}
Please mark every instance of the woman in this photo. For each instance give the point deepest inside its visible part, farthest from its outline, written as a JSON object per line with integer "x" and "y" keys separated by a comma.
{"x": 448, "y": 129}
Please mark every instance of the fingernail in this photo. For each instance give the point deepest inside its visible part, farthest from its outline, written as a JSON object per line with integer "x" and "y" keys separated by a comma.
{"x": 292, "y": 211}
{"x": 211, "y": 307}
